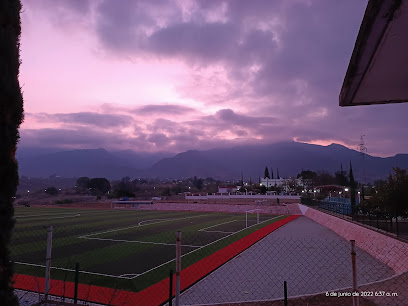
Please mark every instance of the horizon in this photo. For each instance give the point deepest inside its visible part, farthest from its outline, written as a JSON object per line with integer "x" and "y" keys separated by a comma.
{"x": 58, "y": 149}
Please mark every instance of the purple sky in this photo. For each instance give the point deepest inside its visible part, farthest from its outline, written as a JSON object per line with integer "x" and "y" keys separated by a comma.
{"x": 179, "y": 75}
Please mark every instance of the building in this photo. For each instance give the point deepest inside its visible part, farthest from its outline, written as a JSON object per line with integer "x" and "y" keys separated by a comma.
{"x": 227, "y": 189}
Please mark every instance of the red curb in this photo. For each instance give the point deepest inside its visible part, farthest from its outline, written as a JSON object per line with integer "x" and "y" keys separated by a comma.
{"x": 158, "y": 293}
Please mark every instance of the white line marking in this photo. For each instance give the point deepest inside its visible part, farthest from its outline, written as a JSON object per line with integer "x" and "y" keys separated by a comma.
{"x": 128, "y": 275}
{"x": 21, "y": 217}
{"x": 202, "y": 247}
{"x": 146, "y": 242}
{"x": 218, "y": 232}
{"x": 71, "y": 270}
{"x": 47, "y": 218}
{"x": 204, "y": 229}
{"x": 129, "y": 227}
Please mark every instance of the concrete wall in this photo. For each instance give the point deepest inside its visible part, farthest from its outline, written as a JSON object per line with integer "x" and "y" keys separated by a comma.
{"x": 289, "y": 209}
{"x": 243, "y": 196}
{"x": 390, "y": 251}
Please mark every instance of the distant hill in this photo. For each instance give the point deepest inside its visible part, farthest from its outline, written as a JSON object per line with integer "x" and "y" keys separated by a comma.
{"x": 289, "y": 157}
{"x": 91, "y": 162}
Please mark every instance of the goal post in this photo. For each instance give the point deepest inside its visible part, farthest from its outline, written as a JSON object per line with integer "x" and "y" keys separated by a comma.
{"x": 253, "y": 211}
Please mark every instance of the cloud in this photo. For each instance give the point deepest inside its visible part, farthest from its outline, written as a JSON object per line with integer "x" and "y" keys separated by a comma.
{"x": 163, "y": 109}
{"x": 86, "y": 118}
{"x": 256, "y": 70}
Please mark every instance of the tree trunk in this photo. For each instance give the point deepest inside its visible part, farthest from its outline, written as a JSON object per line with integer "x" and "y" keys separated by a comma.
{"x": 11, "y": 115}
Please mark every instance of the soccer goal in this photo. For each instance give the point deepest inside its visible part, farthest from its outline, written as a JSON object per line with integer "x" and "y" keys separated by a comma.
{"x": 252, "y": 212}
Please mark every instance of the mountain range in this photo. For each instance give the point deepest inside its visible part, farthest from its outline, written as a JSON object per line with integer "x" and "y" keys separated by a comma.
{"x": 228, "y": 163}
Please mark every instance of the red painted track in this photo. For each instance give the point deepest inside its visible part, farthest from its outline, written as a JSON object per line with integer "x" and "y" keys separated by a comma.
{"x": 158, "y": 293}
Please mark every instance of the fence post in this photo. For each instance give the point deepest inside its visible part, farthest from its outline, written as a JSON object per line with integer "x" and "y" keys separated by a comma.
{"x": 178, "y": 267}
{"x": 354, "y": 267}
{"x": 48, "y": 262}
{"x": 171, "y": 288}
{"x": 76, "y": 283}
{"x": 285, "y": 293}
{"x": 246, "y": 219}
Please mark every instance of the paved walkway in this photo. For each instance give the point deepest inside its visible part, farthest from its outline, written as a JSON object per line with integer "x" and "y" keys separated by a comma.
{"x": 310, "y": 257}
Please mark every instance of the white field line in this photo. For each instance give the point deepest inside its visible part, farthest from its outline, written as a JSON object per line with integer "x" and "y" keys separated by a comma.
{"x": 138, "y": 225}
{"x": 47, "y": 218}
{"x": 204, "y": 229}
{"x": 128, "y": 276}
{"x": 85, "y": 213}
{"x": 202, "y": 247}
{"x": 146, "y": 242}
{"x": 133, "y": 276}
{"x": 70, "y": 270}
{"x": 218, "y": 232}
{"x": 21, "y": 217}
{"x": 159, "y": 221}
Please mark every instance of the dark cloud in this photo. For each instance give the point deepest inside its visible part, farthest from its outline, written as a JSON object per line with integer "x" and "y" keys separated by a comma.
{"x": 163, "y": 109}
{"x": 206, "y": 42}
{"x": 86, "y": 118}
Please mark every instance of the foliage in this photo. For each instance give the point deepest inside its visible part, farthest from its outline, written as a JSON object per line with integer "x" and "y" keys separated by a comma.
{"x": 51, "y": 190}
{"x": 198, "y": 183}
{"x": 262, "y": 189}
{"x": 324, "y": 178}
{"x": 308, "y": 178}
{"x": 11, "y": 116}
{"x": 391, "y": 195}
{"x": 266, "y": 173}
{"x": 82, "y": 183}
{"x": 100, "y": 184}
{"x": 341, "y": 178}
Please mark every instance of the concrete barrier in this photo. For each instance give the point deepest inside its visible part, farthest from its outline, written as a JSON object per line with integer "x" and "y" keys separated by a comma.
{"x": 390, "y": 251}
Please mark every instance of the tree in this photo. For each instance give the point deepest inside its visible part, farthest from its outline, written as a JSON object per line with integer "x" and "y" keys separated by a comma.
{"x": 308, "y": 179}
{"x": 198, "y": 183}
{"x": 277, "y": 173}
{"x": 341, "y": 177}
{"x": 271, "y": 173}
{"x": 262, "y": 189}
{"x": 100, "y": 184}
{"x": 51, "y": 190}
{"x": 266, "y": 173}
{"x": 11, "y": 116}
{"x": 82, "y": 183}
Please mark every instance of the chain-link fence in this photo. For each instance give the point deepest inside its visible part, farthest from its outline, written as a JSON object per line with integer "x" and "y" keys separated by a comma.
{"x": 129, "y": 258}
{"x": 374, "y": 219}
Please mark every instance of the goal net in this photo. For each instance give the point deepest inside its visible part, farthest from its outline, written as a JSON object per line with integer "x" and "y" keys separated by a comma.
{"x": 252, "y": 217}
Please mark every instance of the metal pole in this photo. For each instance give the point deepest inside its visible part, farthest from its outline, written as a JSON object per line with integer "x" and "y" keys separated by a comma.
{"x": 246, "y": 219}
{"x": 354, "y": 267}
{"x": 76, "y": 283}
{"x": 171, "y": 288}
{"x": 285, "y": 293}
{"x": 48, "y": 262}
{"x": 178, "y": 267}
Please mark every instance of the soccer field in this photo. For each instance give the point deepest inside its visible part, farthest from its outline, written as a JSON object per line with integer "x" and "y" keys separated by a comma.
{"x": 125, "y": 249}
